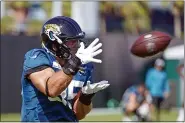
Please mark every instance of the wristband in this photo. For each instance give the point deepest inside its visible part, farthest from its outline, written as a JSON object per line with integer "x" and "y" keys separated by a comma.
{"x": 86, "y": 99}
{"x": 72, "y": 66}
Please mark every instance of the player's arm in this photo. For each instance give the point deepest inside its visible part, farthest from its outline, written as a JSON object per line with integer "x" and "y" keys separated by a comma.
{"x": 83, "y": 103}
{"x": 52, "y": 83}
{"x": 80, "y": 109}
{"x": 148, "y": 97}
{"x": 49, "y": 82}
{"x": 166, "y": 88}
{"x": 179, "y": 70}
{"x": 132, "y": 104}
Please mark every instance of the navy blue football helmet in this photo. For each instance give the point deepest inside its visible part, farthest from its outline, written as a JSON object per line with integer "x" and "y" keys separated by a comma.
{"x": 57, "y": 31}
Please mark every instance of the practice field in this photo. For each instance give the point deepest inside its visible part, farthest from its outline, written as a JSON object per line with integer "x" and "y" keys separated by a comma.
{"x": 114, "y": 116}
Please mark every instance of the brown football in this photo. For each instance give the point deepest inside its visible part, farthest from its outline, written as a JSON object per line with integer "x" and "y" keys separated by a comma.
{"x": 150, "y": 44}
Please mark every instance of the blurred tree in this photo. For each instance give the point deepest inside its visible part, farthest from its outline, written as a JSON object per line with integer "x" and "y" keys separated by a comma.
{"x": 66, "y": 8}
{"x": 178, "y": 12}
{"x": 17, "y": 10}
{"x": 112, "y": 103}
{"x": 34, "y": 27}
{"x": 102, "y": 6}
{"x": 47, "y": 7}
{"x": 111, "y": 17}
{"x": 17, "y": 4}
{"x": 136, "y": 16}
{"x": 179, "y": 4}
{"x": 7, "y": 25}
{"x": 102, "y": 21}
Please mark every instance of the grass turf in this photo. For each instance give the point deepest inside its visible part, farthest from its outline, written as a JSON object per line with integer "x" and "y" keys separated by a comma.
{"x": 165, "y": 116}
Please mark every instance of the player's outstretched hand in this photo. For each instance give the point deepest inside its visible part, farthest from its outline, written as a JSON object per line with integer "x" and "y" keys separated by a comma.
{"x": 86, "y": 55}
{"x": 95, "y": 87}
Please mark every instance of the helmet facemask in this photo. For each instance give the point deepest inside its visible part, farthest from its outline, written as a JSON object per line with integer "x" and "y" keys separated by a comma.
{"x": 63, "y": 47}
{"x": 73, "y": 45}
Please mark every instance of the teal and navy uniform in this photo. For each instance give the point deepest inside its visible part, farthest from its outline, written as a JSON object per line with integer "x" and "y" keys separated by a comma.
{"x": 38, "y": 107}
{"x": 131, "y": 90}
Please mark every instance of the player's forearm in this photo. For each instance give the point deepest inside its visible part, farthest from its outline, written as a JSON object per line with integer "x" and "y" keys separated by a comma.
{"x": 132, "y": 104}
{"x": 81, "y": 110}
{"x": 58, "y": 83}
{"x": 60, "y": 80}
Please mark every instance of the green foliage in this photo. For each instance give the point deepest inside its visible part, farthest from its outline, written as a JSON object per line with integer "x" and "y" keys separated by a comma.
{"x": 112, "y": 103}
{"x": 67, "y": 8}
{"x": 34, "y": 27}
{"x": 136, "y": 16}
{"x": 17, "y": 4}
{"x": 7, "y": 24}
{"x": 47, "y": 6}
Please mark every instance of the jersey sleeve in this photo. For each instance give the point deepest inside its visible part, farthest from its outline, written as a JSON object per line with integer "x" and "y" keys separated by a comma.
{"x": 35, "y": 61}
{"x": 89, "y": 72}
{"x": 84, "y": 74}
{"x": 90, "y": 69}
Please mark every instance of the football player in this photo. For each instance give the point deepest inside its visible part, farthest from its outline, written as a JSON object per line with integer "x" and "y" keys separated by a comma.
{"x": 56, "y": 79}
{"x": 136, "y": 103}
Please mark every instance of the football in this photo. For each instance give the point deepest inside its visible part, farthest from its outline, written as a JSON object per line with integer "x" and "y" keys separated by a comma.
{"x": 150, "y": 44}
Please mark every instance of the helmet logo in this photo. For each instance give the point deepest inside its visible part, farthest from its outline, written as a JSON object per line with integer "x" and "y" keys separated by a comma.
{"x": 51, "y": 29}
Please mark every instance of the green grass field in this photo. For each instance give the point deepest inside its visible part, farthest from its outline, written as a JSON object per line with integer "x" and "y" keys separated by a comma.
{"x": 165, "y": 116}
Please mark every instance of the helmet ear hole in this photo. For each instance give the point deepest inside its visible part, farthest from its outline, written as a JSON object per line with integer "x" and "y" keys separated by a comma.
{"x": 45, "y": 38}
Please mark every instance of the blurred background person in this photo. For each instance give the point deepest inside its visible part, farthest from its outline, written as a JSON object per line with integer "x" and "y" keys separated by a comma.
{"x": 136, "y": 103}
{"x": 180, "y": 70}
{"x": 157, "y": 84}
